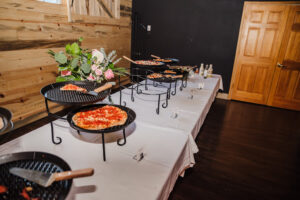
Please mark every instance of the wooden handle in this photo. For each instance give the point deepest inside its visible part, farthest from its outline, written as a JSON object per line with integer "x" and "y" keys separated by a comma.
{"x": 73, "y": 174}
{"x": 154, "y": 56}
{"x": 129, "y": 59}
{"x": 178, "y": 76}
{"x": 103, "y": 87}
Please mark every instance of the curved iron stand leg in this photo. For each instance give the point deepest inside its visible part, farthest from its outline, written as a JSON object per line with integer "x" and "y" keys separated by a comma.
{"x": 52, "y": 129}
{"x": 78, "y": 132}
{"x": 181, "y": 86}
{"x": 124, "y": 138}
{"x": 120, "y": 96}
{"x": 174, "y": 92}
{"x": 103, "y": 147}
{"x": 184, "y": 85}
{"x": 138, "y": 91}
{"x": 165, "y": 104}
{"x": 158, "y": 105}
{"x": 132, "y": 98}
{"x": 52, "y": 136}
{"x": 146, "y": 86}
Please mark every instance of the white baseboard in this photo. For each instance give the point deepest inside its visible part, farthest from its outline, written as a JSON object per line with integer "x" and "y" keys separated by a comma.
{"x": 222, "y": 95}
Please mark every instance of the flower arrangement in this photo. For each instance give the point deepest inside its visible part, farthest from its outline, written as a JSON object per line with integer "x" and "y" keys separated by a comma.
{"x": 76, "y": 64}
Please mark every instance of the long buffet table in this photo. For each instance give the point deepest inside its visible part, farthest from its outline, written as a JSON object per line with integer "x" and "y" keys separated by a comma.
{"x": 167, "y": 143}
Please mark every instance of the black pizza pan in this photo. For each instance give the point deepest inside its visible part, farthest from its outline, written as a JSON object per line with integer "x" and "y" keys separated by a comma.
{"x": 53, "y": 93}
{"x": 130, "y": 118}
{"x": 5, "y": 116}
{"x": 164, "y": 79}
{"x": 162, "y": 64}
{"x": 39, "y": 161}
{"x": 172, "y": 60}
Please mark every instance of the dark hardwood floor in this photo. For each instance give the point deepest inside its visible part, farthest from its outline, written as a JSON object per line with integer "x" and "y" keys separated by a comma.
{"x": 246, "y": 151}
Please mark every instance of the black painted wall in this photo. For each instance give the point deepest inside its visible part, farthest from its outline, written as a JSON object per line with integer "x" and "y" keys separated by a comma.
{"x": 194, "y": 31}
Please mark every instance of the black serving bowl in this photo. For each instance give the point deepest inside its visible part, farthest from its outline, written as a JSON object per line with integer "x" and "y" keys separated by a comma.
{"x": 6, "y": 116}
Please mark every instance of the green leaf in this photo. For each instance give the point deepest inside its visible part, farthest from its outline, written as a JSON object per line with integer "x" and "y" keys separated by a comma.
{"x": 68, "y": 49}
{"x": 63, "y": 68}
{"x": 74, "y": 63}
{"x": 52, "y": 53}
{"x": 60, "y": 58}
{"x": 86, "y": 68}
{"x": 61, "y": 79}
{"x": 111, "y": 66}
{"x": 80, "y": 39}
{"x": 66, "y": 78}
{"x": 75, "y": 49}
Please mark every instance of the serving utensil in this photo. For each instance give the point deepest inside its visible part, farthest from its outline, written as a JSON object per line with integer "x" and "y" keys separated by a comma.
{"x": 46, "y": 179}
{"x": 154, "y": 56}
{"x": 129, "y": 59}
{"x": 100, "y": 89}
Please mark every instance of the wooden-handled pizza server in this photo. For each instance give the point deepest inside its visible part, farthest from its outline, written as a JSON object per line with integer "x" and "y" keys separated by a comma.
{"x": 130, "y": 60}
{"x": 100, "y": 89}
{"x": 154, "y": 56}
{"x": 46, "y": 179}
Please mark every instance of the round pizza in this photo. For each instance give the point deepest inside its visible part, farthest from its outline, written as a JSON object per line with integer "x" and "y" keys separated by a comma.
{"x": 148, "y": 62}
{"x": 162, "y": 60}
{"x": 155, "y": 75}
{"x": 100, "y": 118}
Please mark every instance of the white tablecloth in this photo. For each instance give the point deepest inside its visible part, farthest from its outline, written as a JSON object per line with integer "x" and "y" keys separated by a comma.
{"x": 168, "y": 145}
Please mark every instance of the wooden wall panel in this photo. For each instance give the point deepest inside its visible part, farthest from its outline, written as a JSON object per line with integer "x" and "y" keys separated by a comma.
{"x": 29, "y": 28}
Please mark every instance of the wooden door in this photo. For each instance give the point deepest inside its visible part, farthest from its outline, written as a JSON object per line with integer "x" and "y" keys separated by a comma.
{"x": 261, "y": 33}
{"x": 285, "y": 91}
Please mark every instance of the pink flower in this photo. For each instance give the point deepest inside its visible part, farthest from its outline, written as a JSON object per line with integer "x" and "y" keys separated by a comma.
{"x": 94, "y": 67}
{"x": 65, "y": 73}
{"x": 91, "y": 77}
{"x": 98, "y": 72}
{"x": 109, "y": 74}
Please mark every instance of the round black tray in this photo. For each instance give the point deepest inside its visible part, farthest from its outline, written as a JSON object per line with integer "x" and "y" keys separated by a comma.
{"x": 164, "y": 79}
{"x": 130, "y": 118}
{"x": 173, "y": 61}
{"x": 150, "y": 66}
{"x": 53, "y": 93}
{"x": 39, "y": 161}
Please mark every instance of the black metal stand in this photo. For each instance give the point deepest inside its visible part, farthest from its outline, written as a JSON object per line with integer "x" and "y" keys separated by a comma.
{"x": 184, "y": 82}
{"x": 59, "y": 140}
{"x": 103, "y": 142}
{"x": 138, "y": 88}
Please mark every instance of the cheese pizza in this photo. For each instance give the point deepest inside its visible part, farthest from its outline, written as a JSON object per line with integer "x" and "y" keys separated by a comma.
{"x": 155, "y": 75}
{"x": 100, "y": 118}
{"x": 72, "y": 87}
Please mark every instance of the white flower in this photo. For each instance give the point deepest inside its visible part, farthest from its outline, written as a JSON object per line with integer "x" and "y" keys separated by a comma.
{"x": 94, "y": 67}
{"x": 98, "y": 55}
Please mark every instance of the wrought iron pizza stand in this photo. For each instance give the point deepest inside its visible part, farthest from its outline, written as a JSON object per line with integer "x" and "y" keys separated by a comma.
{"x": 53, "y": 93}
{"x": 142, "y": 88}
{"x": 130, "y": 118}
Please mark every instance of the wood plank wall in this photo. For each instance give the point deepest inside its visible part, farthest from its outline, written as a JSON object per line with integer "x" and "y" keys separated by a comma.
{"x": 28, "y": 28}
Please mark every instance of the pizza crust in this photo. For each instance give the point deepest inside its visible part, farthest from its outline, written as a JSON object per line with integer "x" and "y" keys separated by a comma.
{"x": 100, "y": 118}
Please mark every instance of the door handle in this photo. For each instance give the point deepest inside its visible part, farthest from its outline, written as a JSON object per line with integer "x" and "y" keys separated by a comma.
{"x": 280, "y": 65}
